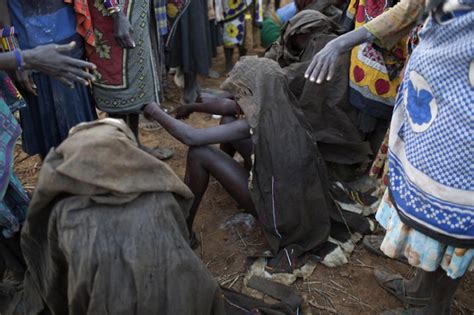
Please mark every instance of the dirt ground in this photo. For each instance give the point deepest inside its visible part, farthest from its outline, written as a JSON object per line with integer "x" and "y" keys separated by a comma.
{"x": 350, "y": 289}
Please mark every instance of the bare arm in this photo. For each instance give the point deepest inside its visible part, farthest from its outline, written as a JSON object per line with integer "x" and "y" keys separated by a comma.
{"x": 210, "y": 105}
{"x": 7, "y": 61}
{"x": 388, "y": 27}
{"x": 323, "y": 66}
{"x": 190, "y": 136}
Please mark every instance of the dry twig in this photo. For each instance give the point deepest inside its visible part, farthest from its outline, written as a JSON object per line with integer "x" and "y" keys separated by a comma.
{"x": 322, "y": 307}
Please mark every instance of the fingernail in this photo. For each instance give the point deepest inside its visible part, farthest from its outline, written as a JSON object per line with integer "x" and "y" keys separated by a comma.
{"x": 328, "y": 78}
{"x": 306, "y": 76}
{"x": 312, "y": 79}
{"x": 319, "y": 81}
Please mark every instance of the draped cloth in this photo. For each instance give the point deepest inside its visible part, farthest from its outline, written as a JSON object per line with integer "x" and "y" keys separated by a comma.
{"x": 13, "y": 198}
{"x": 84, "y": 23}
{"x": 240, "y": 16}
{"x": 326, "y": 106}
{"x": 127, "y": 79}
{"x": 106, "y": 232}
{"x": 288, "y": 182}
{"x": 189, "y": 43}
{"x": 374, "y": 70}
{"x": 430, "y": 143}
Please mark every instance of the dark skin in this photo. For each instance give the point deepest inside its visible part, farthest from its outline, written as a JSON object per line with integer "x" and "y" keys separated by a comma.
{"x": 323, "y": 65}
{"x": 123, "y": 30}
{"x": 48, "y": 59}
{"x": 203, "y": 159}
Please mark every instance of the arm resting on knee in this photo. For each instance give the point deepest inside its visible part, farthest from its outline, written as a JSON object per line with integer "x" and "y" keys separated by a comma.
{"x": 190, "y": 136}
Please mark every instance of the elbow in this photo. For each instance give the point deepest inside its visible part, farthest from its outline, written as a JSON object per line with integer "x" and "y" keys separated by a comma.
{"x": 189, "y": 139}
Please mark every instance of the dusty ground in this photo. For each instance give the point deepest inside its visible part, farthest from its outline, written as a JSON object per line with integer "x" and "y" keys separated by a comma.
{"x": 350, "y": 289}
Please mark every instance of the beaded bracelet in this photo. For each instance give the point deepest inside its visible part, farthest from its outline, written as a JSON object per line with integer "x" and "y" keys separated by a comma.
{"x": 111, "y": 6}
{"x": 8, "y": 39}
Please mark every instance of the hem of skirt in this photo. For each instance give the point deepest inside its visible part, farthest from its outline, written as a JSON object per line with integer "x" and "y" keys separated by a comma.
{"x": 129, "y": 110}
{"x": 442, "y": 238}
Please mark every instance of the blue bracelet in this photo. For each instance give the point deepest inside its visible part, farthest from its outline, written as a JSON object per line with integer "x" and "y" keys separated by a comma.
{"x": 19, "y": 59}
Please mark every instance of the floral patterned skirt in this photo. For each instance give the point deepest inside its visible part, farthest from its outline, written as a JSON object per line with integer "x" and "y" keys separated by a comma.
{"x": 420, "y": 250}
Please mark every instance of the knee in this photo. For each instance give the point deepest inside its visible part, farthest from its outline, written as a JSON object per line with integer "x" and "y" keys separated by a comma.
{"x": 198, "y": 154}
{"x": 227, "y": 119}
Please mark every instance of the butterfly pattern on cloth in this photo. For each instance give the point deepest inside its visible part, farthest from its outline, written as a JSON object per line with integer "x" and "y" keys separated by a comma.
{"x": 421, "y": 106}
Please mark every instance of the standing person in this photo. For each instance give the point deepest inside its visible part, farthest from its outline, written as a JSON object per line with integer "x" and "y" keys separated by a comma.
{"x": 428, "y": 208}
{"x": 375, "y": 67}
{"x": 240, "y": 17}
{"x": 125, "y": 49}
{"x": 53, "y": 107}
{"x": 189, "y": 44}
{"x": 13, "y": 198}
{"x": 384, "y": 30}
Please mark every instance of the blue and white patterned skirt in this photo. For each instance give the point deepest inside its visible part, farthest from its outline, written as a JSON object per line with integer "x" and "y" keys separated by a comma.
{"x": 420, "y": 250}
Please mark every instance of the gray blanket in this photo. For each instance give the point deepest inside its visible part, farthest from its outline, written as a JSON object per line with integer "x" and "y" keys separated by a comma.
{"x": 106, "y": 232}
{"x": 326, "y": 106}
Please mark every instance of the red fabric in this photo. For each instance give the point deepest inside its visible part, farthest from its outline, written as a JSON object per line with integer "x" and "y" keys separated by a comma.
{"x": 84, "y": 23}
{"x": 108, "y": 55}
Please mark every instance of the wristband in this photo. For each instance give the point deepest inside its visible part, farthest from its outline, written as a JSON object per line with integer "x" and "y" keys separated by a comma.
{"x": 111, "y": 6}
{"x": 19, "y": 59}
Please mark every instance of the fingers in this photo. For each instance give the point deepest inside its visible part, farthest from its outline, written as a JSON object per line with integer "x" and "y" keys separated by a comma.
{"x": 322, "y": 73}
{"x": 331, "y": 72}
{"x": 66, "y": 81}
{"x": 74, "y": 78}
{"x": 29, "y": 84}
{"x": 311, "y": 66}
{"x": 130, "y": 42}
{"x": 316, "y": 71}
{"x": 80, "y": 73}
{"x": 79, "y": 63}
{"x": 65, "y": 48}
{"x": 119, "y": 41}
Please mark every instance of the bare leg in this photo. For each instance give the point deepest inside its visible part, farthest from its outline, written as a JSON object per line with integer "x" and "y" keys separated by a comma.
{"x": 228, "y": 147}
{"x": 191, "y": 93}
{"x": 244, "y": 146}
{"x": 229, "y": 56}
{"x": 207, "y": 160}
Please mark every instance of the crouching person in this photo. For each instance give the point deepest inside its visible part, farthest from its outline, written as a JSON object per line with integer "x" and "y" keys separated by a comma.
{"x": 106, "y": 232}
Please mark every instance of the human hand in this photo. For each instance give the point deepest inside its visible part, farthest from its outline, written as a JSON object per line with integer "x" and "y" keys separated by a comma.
{"x": 183, "y": 111}
{"x": 51, "y": 60}
{"x": 25, "y": 81}
{"x": 123, "y": 30}
{"x": 323, "y": 65}
{"x": 207, "y": 97}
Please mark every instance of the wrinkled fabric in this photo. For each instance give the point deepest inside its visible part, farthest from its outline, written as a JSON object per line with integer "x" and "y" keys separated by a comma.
{"x": 430, "y": 143}
{"x": 326, "y": 106}
{"x": 106, "y": 232}
{"x": 127, "y": 79}
{"x": 374, "y": 70}
{"x": 284, "y": 192}
{"x": 288, "y": 182}
{"x": 420, "y": 250}
{"x": 13, "y": 198}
